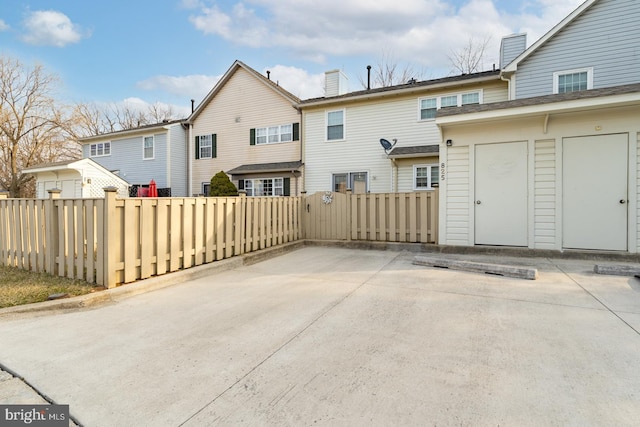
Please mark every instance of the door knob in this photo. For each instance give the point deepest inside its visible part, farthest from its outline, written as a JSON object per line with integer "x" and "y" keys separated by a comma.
{"x": 623, "y": 201}
{"x": 478, "y": 202}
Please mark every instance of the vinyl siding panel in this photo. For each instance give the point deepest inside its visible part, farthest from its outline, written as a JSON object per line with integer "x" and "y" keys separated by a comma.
{"x": 177, "y": 161}
{"x": 511, "y": 47}
{"x": 605, "y": 37}
{"x": 126, "y": 156}
{"x": 405, "y": 171}
{"x": 242, "y": 103}
{"x": 545, "y": 194}
{"x": 366, "y": 122}
{"x": 638, "y": 191}
{"x": 457, "y": 200}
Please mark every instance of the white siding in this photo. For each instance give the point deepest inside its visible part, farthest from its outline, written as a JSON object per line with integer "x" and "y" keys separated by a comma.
{"x": 366, "y": 122}
{"x": 545, "y": 194}
{"x": 177, "y": 161}
{"x": 638, "y": 191}
{"x": 605, "y": 37}
{"x": 457, "y": 196}
{"x": 242, "y": 103}
{"x": 406, "y": 173}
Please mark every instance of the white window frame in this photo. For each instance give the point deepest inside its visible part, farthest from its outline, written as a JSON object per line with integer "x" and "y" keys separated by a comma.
{"x": 253, "y": 184}
{"x": 430, "y": 167}
{"x": 326, "y": 125}
{"x": 557, "y": 74}
{"x": 153, "y": 147}
{"x": 209, "y": 146}
{"x": 274, "y": 134}
{"x": 438, "y": 99}
{"x": 105, "y": 147}
{"x": 349, "y": 177}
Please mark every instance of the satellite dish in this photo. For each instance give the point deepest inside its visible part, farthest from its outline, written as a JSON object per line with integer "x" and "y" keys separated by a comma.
{"x": 387, "y": 145}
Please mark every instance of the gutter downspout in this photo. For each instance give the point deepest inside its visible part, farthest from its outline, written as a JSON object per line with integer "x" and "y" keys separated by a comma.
{"x": 508, "y": 80}
{"x": 394, "y": 175}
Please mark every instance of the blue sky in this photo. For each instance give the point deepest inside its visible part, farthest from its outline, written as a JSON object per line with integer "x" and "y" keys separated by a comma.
{"x": 170, "y": 51}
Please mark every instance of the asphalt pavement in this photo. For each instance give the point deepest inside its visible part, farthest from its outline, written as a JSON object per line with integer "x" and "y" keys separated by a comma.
{"x": 334, "y": 336}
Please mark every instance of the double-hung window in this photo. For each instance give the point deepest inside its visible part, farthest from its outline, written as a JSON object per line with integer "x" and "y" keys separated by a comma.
{"x": 100, "y": 149}
{"x": 264, "y": 187}
{"x": 147, "y": 148}
{"x": 206, "y": 146}
{"x": 272, "y": 134}
{"x": 429, "y": 106}
{"x": 573, "y": 80}
{"x": 425, "y": 177}
{"x": 335, "y": 125}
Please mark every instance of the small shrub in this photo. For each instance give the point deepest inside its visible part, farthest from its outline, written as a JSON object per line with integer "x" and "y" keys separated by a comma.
{"x": 221, "y": 186}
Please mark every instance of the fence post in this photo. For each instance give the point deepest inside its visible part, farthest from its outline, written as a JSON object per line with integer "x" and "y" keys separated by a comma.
{"x": 4, "y": 224}
{"x": 110, "y": 240}
{"x": 349, "y": 219}
{"x": 51, "y": 231}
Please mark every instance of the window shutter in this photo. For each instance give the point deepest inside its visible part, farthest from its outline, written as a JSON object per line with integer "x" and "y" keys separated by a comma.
{"x": 286, "y": 186}
{"x": 214, "y": 146}
{"x": 197, "y": 147}
{"x": 252, "y": 136}
{"x": 296, "y": 131}
{"x": 241, "y": 184}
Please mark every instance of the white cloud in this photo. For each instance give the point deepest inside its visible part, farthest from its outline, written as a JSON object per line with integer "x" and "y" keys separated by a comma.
{"x": 194, "y": 86}
{"x": 51, "y": 28}
{"x": 298, "y": 81}
{"x": 418, "y": 31}
{"x": 3, "y": 25}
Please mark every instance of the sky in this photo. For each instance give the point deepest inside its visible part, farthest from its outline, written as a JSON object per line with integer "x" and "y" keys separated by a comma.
{"x": 171, "y": 51}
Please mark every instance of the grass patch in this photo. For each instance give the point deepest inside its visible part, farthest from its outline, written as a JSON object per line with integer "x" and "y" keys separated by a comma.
{"x": 19, "y": 287}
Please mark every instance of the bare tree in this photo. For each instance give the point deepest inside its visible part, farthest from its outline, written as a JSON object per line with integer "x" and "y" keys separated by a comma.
{"x": 34, "y": 128}
{"x": 469, "y": 59}
{"x": 389, "y": 72}
{"x": 93, "y": 119}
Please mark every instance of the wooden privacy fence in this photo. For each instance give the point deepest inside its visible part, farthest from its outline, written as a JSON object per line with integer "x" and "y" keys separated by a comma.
{"x": 391, "y": 217}
{"x": 112, "y": 241}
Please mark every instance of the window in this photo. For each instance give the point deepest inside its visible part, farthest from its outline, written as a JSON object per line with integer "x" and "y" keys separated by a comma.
{"x": 354, "y": 181}
{"x": 100, "y": 149}
{"x": 205, "y": 188}
{"x": 335, "y": 125}
{"x": 272, "y": 134}
{"x": 266, "y": 187}
{"x": 206, "y": 146}
{"x": 425, "y": 177}
{"x": 573, "y": 80}
{"x": 147, "y": 148}
{"x": 429, "y": 106}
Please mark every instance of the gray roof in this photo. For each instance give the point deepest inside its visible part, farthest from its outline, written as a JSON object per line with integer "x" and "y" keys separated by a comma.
{"x": 415, "y": 151}
{"x": 266, "y": 167}
{"x": 540, "y": 100}
{"x": 417, "y": 84}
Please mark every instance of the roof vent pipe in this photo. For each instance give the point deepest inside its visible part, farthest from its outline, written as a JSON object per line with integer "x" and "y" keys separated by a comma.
{"x": 368, "y": 77}
{"x": 268, "y": 75}
{"x": 193, "y": 105}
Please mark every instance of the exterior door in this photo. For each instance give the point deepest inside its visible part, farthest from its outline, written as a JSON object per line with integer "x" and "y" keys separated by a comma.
{"x": 501, "y": 194}
{"x": 594, "y": 189}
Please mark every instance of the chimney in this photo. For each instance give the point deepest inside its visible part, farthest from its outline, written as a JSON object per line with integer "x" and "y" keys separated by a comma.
{"x": 335, "y": 83}
{"x": 268, "y": 75}
{"x": 368, "y": 77}
{"x": 193, "y": 105}
{"x": 511, "y": 47}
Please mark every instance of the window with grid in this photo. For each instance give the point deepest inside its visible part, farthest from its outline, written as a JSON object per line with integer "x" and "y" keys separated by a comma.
{"x": 428, "y": 108}
{"x": 572, "y": 82}
{"x": 274, "y": 134}
{"x": 264, "y": 187}
{"x": 335, "y": 125}
{"x": 147, "y": 150}
{"x": 425, "y": 177}
{"x": 100, "y": 149}
{"x": 206, "y": 146}
{"x": 471, "y": 98}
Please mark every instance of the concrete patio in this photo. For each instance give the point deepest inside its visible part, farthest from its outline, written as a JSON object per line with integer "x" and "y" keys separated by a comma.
{"x": 334, "y": 336}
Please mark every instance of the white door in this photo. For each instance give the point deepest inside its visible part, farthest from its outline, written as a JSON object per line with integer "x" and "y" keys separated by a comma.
{"x": 501, "y": 194}
{"x": 594, "y": 192}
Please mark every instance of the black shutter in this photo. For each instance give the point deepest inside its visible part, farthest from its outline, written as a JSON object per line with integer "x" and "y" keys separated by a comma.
{"x": 197, "y": 147}
{"x": 241, "y": 184}
{"x": 286, "y": 187}
{"x": 214, "y": 146}
{"x": 296, "y": 131}
{"x": 252, "y": 136}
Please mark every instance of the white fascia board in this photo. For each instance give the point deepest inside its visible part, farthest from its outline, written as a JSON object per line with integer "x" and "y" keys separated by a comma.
{"x": 530, "y": 110}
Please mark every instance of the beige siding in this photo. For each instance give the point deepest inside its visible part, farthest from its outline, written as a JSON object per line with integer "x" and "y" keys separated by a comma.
{"x": 405, "y": 171}
{"x": 457, "y": 201}
{"x": 545, "y": 194}
{"x": 637, "y": 191}
{"x": 496, "y": 92}
{"x": 243, "y": 103}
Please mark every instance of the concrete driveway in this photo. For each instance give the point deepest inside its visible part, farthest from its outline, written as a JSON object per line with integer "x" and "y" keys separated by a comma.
{"x": 335, "y": 336}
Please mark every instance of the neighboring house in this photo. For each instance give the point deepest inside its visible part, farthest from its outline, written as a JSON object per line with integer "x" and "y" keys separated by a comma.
{"x": 76, "y": 178}
{"x": 141, "y": 154}
{"x": 342, "y": 132}
{"x": 249, "y": 127}
{"x": 557, "y": 166}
